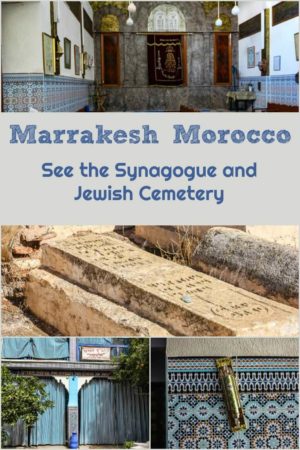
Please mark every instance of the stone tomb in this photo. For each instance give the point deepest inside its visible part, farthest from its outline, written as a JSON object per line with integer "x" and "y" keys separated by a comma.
{"x": 155, "y": 288}
{"x": 257, "y": 265}
{"x": 174, "y": 237}
{"x": 80, "y": 312}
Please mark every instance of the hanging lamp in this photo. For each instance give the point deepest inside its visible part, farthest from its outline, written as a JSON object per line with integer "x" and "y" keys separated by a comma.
{"x": 131, "y": 8}
{"x": 218, "y": 22}
{"x": 235, "y": 10}
{"x": 129, "y": 21}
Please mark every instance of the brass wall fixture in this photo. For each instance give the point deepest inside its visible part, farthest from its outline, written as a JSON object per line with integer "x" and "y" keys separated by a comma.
{"x": 231, "y": 395}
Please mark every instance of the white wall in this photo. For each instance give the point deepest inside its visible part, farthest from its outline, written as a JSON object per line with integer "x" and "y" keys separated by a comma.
{"x": 250, "y": 9}
{"x": 282, "y": 44}
{"x": 22, "y": 27}
{"x": 44, "y": 18}
{"x": 22, "y": 38}
{"x": 247, "y": 11}
{"x": 281, "y": 40}
{"x": 68, "y": 27}
{"x": 256, "y": 41}
{"x": 88, "y": 41}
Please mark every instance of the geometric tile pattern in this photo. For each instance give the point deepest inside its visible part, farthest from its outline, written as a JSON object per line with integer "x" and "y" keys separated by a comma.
{"x": 45, "y": 93}
{"x": 67, "y": 94}
{"x": 200, "y": 421}
{"x": 279, "y": 89}
{"x": 253, "y": 374}
{"x": 198, "y": 418}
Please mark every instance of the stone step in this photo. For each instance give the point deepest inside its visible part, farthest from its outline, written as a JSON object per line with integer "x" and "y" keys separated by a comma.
{"x": 159, "y": 289}
{"x": 76, "y": 312}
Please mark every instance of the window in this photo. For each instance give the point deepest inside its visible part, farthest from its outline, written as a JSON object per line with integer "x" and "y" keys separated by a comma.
{"x": 166, "y": 18}
{"x": 88, "y": 23}
{"x": 284, "y": 11}
{"x": 222, "y": 58}
{"x": 159, "y": 21}
{"x": 110, "y": 59}
{"x": 75, "y": 7}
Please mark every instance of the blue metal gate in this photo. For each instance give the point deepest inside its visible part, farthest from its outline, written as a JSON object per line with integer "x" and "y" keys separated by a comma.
{"x": 112, "y": 413}
{"x": 50, "y": 428}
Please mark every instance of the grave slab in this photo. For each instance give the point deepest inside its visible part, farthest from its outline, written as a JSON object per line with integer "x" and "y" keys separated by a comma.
{"x": 155, "y": 288}
{"x": 173, "y": 237}
{"x": 266, "y": 268}
{"x": 76, "y": 312}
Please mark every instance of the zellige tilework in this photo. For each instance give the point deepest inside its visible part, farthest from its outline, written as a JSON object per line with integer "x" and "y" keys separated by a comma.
{"x": 45, "y": 93}
{"x": 197, "y": 417}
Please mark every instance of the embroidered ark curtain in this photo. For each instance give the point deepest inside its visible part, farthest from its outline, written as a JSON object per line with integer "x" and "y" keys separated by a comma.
{"x": 165, "y": 60}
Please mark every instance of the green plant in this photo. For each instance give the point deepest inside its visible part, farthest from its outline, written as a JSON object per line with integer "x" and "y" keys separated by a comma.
{"x": 134, "y": 366}
{"x": 128, "y": 444}
{"x": 22, "y": 398}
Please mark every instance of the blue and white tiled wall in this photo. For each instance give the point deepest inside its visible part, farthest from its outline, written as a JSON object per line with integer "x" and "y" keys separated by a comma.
{"x": 45, "y": 93}
{"x": 197, "y": 417}
{"x": 65, "y": 94}
{"x": 279, "y": 89}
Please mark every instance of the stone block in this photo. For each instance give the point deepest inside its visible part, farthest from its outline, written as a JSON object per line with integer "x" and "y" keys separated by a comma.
{"x": 36, "y": 233}
{"x": 172, "y": 237}
{"x": 20, "y": 250}
{"x": 157, "y": 289}
{"x": 76, "y": 312}
{"x": 25, "y": 264}
{"x": 257, "y": 265}
{"x": 64, "y": 231}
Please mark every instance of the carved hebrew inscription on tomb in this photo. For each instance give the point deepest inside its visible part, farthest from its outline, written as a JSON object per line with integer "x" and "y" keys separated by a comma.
{"x": 241, "y": 311}
{"x": 179, "y": 285}
{"x": 221, "y": 302}
{"x": 156, "y": 288}
{"x": 108, "y": 252}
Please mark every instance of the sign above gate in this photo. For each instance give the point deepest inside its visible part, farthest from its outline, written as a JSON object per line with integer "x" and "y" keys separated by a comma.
{"x": 95, "y": 353}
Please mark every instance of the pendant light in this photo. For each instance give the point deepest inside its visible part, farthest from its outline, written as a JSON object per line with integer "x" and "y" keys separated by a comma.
{"x": 235, "y": 10}
{"x": 131, "y": 8}
{"x": 129, "y": 21}
{"x": 218, "y": 22}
